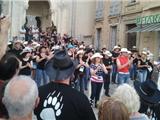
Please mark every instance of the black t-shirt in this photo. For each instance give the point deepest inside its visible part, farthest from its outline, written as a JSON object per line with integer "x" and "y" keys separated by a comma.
{"x": 61, "y": 102}
{"x": 27, "y": 70}
{"x": 143, "y": 63}
{"x": 41, "y": 65}
{"x": 115, "y": 55}
{"x": 135, "y": 61}
{"x": 108, "y": 62}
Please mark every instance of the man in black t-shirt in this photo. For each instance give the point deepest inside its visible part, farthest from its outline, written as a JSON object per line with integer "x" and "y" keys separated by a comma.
{"x": 58, "y": 100}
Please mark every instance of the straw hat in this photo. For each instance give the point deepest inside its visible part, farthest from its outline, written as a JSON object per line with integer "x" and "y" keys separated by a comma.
{"x": 124, "y": 50}
{"x": 143, "y": 52}
{"x": 96, "y": 55}
{"x": 80, "y": 52}
{"x": 108, "y": 53}
{"x": 26, "y": 50}
{"x": 116, "y": 47}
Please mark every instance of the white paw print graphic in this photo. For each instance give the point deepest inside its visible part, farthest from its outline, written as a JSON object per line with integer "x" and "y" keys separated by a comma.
{"x": 52, "y": 106}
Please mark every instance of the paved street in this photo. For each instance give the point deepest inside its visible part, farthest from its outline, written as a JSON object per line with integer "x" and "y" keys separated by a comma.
{"x": 112, "y": 88}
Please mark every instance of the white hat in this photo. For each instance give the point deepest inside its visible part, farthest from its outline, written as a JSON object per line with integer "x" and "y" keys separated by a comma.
{"x": 9, "y": 42}
{"x": 108, "y": 53}
{"x": 56, "y": 47}
{"x": 129, "y": 52}
{"x": 116, "y": 47}
{"x": 82, "y": 47}
{"x": 80, "y": 52}
{"x": 35, "y": 44}
{"x": 25, "y": 43}
{"x": 95, "y": 55}
{"x": 124, "y": 50}
{"x": 26, "y": 50}
{"x": 143, "y": 52}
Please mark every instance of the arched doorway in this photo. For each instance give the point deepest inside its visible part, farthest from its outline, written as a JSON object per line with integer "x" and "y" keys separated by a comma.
{"x": 38, "y": 14}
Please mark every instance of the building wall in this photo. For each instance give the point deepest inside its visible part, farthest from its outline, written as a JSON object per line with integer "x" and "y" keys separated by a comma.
{"x": 84, "y": 20}
{"x": 128, "y": 12}
{"x": 17, "y": 11}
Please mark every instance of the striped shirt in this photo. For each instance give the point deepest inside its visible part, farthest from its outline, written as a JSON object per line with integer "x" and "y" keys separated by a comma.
{"x": 99, "y": 74}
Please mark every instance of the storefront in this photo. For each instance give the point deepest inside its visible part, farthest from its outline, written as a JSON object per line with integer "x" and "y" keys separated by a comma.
{"x": 148, "y": 33}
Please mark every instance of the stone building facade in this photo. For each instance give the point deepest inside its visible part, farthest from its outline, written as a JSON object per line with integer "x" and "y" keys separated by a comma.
{"x": 120, "y": 25}
{"x": 73, "y": 17}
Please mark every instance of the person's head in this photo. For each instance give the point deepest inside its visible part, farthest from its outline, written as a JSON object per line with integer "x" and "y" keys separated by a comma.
{"x": 17, "y": 44}
{"x": 20, "y": 97}
{"x": 60, "y": 67}
{"x": 107, "y": 54}
{"x": 111, "y": 109}
{"x": 9, "y": 66}
{"x": 143, "y": 55}
{"x": 128, "y": 96}
{"x": 124, "y": 52}
{"x": 26, "y": 53}
{"x": 42, "y": 49}
{"x": 96, "y": 58}
{"x": 148, "y": 92}
{"x": 116, "y": 48}
{"x": 80, "y": 54}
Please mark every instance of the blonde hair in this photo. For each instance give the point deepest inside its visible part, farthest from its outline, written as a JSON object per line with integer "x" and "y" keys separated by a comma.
{"x": 111, "y": 109}
{"x": 127, "y": 94}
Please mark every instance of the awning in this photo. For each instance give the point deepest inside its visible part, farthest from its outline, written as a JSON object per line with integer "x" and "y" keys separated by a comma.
{"x": 145, "y": 28}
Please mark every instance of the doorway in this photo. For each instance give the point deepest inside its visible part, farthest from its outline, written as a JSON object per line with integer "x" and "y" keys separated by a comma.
{"x": 131, "y": 37}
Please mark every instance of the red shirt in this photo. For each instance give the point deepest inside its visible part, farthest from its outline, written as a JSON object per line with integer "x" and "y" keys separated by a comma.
{"x": 123, "y": 60}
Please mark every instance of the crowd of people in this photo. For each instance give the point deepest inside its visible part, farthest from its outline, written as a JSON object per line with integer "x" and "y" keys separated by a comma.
{"x": 49, "y": 74}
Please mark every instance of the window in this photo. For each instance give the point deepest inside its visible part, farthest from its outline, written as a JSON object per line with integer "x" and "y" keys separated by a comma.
{"x": 113, "y": 38}
{"x": 99, "y": 9}
{"x": 115, "y": 8}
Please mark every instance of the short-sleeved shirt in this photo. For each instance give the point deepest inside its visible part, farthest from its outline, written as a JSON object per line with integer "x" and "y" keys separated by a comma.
{"x": 107, "y": 62}
{"x": 115, "y": 55}
{"x": 41, "y": 64}
{"x": 143, "y": 63}
{"x": 27, "y": 70}
{"x": 99, "y": 73}
{"x": 62, "y": 102}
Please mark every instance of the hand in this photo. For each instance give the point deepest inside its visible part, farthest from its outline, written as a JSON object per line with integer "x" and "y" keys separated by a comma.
{"x": 43, "y": 55}
{"x": 28, "y": 65}
{"x": 131, "y": 60}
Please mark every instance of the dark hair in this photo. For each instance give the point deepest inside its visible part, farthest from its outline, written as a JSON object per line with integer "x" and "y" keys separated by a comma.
{"x": 41, "y": 48}
{"x": 9, "y": 65}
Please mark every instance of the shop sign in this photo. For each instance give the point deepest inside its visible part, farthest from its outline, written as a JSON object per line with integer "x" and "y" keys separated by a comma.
{"x": 148, "y": 19}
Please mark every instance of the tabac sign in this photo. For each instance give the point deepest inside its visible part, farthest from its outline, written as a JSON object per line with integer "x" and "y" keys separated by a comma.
{"x": 148, "y": 19}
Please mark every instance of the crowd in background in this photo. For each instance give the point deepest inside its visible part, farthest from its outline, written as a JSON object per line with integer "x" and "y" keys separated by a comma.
{"x": 34, "y": 49}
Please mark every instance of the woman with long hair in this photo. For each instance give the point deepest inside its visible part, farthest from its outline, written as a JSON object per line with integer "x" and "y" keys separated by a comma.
{"x": 41, "y": 60}
{"x": 26, "y": 61}
{"x": 80, "y": 70}
{"x": 143, "y": 67}
{"x": 97, "y": 69}
{"x": 111, "y": 109}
